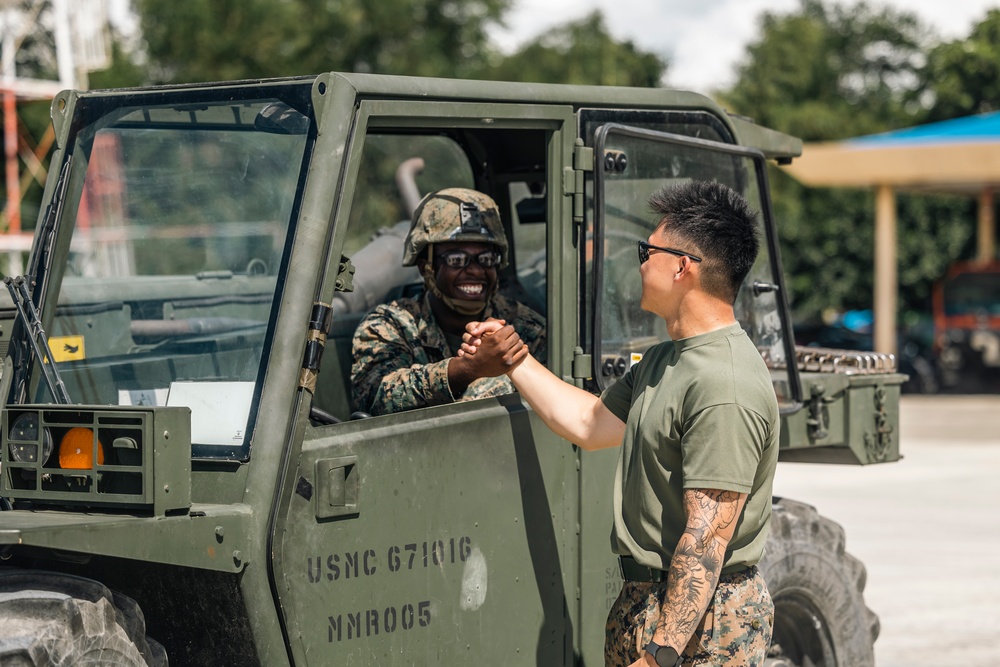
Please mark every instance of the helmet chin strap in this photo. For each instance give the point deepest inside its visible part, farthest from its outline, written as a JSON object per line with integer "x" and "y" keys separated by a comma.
{"x": 463, "y": 306}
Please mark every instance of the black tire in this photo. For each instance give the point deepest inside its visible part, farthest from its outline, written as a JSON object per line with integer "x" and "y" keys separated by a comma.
{"x": 53, "y": 619}
{"x": 820, "y": 616}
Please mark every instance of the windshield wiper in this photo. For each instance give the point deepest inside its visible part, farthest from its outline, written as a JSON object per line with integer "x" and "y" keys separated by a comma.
{"x": 37, "y": 270}
{"x": 36, "y": 336}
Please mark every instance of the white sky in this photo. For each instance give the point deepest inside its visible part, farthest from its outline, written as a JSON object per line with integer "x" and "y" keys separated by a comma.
{"x": 705, "y": 39}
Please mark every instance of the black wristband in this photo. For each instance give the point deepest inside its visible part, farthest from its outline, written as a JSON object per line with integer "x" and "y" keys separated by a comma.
{"x": 665, "y": 656}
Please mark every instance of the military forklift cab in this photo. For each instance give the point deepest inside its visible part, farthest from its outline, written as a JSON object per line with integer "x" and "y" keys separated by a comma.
{"x": 203, "y": 259}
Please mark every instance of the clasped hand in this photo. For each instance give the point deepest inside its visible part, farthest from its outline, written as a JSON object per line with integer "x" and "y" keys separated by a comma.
{"x": 493, "y": 346}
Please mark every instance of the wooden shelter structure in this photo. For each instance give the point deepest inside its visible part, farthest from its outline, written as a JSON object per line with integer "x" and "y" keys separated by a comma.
{"x": 959, "y": 156}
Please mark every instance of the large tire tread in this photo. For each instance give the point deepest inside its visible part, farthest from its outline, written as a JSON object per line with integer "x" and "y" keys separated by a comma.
{"x": 60, "y": 620}
{"x": 811, "y": 577}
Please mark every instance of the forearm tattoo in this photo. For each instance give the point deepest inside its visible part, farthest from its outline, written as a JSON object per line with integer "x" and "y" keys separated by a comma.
{"x": 697, "y": 561}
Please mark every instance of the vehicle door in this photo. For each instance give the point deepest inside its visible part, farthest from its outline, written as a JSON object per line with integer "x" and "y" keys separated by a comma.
{"x": 446, "y": 534}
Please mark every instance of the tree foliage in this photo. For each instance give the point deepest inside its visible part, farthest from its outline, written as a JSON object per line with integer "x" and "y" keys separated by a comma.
{"x": 201, "y": 40}
{"x": 582, "y": 52}
{"x": 825, "y": 73}
{"x": 962, "y": 77}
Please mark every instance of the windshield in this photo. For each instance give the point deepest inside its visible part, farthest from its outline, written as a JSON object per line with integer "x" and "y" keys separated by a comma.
{"x": 167, "y": 260}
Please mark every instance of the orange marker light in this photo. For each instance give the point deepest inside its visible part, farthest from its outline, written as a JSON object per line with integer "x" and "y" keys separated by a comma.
{"x": 76, "y": 450}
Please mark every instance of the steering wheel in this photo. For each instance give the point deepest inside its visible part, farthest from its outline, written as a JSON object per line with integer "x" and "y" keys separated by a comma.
{"x": 320, "y": 417}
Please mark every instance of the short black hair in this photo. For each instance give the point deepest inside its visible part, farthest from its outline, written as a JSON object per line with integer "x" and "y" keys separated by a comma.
{"x": 716, "y": 223}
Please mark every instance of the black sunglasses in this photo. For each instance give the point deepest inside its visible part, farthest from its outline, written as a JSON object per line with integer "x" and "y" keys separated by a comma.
{"x": 644, "y": 249}
{"x": 459, "y": 259}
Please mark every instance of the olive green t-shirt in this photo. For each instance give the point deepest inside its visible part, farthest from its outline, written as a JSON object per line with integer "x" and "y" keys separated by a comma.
{"x": 700, "y": 413}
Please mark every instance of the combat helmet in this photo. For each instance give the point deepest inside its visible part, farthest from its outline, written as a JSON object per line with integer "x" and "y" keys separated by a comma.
{"x": 454, "y": 214}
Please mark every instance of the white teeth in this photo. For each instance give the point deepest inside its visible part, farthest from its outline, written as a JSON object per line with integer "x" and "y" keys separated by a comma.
{"x": 471, "y": 290}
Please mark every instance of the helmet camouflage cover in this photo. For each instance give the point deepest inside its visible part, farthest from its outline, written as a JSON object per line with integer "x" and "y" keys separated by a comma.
{"x": 454, "y": 215}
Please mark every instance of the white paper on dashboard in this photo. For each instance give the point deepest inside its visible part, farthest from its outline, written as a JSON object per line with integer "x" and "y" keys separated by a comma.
{"x": 151, "y": 397}
{"x": 219, "y": 410}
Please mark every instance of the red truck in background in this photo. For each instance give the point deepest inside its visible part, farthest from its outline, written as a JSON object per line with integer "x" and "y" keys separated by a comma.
{"x": 966, "y": 304}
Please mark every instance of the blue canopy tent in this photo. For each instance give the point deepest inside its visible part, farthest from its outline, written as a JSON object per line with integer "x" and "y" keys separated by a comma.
{"x": 959, "y": 156}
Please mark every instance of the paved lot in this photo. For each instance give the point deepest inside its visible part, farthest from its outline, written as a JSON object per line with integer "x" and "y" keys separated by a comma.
{"x": 928, "y": 530}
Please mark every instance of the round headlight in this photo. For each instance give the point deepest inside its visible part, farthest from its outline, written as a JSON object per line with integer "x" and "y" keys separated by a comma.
{"x": 24, "y": 440}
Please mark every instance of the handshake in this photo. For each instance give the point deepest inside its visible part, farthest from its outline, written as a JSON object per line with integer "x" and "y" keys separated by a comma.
{"x": 493, "y": 346}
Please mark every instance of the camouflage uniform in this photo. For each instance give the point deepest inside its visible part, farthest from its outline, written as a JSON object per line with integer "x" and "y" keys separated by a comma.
{"x": 735, "y": 631}
{"x": 401, "y": 356}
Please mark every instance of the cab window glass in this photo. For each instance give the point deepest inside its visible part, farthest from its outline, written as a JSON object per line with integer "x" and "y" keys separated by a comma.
{"x": 634, "y": 165}
{"x": 696, "y": 124}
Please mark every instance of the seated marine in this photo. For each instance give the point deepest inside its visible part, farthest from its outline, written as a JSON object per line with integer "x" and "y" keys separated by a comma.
{"x": 405, "y": 351}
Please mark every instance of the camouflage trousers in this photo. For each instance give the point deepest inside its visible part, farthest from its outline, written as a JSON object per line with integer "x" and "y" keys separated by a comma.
{"x": 735, "y": 631}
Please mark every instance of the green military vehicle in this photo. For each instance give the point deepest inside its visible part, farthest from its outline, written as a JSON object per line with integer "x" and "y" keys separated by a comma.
{"x": 184, "y": 476}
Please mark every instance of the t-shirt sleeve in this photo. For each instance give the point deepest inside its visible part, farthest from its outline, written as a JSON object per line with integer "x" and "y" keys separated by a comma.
{"x": 618, "y": 397}
{"x": 721, "y": 448}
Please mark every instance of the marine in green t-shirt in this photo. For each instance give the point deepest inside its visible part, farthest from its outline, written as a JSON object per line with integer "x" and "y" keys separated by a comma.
{"x": 697, "y": 423}
{"x": 700, "y": 413}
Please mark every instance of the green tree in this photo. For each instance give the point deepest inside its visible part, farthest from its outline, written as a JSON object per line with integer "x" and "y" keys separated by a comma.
{"x": 963, "y": 76}
{"x": 829, "y": 72}
{"x": 202, "y": 40}
{"x": 125, "y": 71}
{"x": 581, "y": 52}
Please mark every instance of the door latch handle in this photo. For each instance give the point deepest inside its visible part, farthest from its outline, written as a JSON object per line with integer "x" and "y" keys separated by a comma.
{"x": 338, "y": 482}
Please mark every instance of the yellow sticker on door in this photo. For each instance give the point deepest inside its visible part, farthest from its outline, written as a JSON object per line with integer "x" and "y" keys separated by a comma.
{"x": 67, "y": 348}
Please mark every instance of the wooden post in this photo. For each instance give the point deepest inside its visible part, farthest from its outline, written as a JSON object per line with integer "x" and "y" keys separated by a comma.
{"x": 886, "y": 278}
{"x": 986, "y": 239}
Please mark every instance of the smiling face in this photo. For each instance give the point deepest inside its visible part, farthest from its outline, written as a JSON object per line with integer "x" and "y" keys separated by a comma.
{"x": 472, "y": 282}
